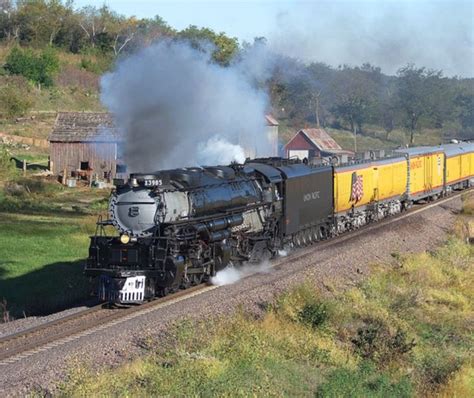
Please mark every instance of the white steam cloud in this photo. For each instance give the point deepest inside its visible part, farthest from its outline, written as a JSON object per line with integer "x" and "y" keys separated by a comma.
{"x": 232, "y": 274}
{"x": 176, "y": 108}
{"x": 219, "y": 151}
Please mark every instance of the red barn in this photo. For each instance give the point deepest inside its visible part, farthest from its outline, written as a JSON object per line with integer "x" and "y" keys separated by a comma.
{"x": 313, "y": 143}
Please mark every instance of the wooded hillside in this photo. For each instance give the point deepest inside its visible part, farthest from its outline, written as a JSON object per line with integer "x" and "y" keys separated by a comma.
{"x": 54, "y": 53}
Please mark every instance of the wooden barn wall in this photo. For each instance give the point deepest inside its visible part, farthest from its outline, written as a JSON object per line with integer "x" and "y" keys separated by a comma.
{"x": 69, "y": 155}
{"x": 300, "y": 142}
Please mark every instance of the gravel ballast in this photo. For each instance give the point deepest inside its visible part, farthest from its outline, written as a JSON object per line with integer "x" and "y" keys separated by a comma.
{"x": 336, "y": 266}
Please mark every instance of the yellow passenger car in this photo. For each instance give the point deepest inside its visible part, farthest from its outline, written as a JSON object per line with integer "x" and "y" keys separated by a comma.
{"x": 361, "y": 184}
{"x": 459, "y": 165}
{"x": 425, "y": 170}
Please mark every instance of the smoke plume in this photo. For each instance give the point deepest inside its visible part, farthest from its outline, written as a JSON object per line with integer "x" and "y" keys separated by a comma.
{"x": 389, "y": 34}
{"x": 176, "y": 108}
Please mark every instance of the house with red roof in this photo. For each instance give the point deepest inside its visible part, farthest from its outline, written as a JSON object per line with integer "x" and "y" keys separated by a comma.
{"x": 313, "y": 143}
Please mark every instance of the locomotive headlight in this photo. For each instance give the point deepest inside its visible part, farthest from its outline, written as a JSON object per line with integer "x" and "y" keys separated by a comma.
{"x": 124, "y": 239}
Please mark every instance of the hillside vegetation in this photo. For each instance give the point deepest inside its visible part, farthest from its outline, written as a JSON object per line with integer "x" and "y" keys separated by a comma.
{"x": 54, "y": 54}
{"x": 404, "y": 331}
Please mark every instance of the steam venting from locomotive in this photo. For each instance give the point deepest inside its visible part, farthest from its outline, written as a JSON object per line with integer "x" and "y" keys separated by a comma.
{"x": 175, "y": 108}
{"x": 231, "y": 275}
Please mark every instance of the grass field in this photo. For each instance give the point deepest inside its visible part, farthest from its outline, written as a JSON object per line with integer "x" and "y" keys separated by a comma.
{"x": 406, "y": 330}
{"x": 43, "y": 245}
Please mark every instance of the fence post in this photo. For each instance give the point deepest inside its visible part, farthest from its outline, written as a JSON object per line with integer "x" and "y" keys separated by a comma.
{"x": 24, "y": 167}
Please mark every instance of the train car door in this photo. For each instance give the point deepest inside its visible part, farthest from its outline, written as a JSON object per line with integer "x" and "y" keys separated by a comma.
{"x": 440, "y": 162}
{"x": 464, "y": 159}
{"x": 375, "y": 179}
{"x": 428, "y": 173}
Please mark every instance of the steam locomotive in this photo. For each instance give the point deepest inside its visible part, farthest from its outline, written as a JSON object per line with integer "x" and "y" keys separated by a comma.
{"x": 179, "y": 227}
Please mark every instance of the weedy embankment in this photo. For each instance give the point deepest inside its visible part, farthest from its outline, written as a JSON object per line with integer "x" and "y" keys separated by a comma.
{"x": 404, "y": 331}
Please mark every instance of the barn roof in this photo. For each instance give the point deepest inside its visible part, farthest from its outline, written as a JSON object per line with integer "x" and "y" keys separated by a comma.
{"x": 321, "y": 140}
{"x": 271, "y": 121}
{"x": 84, "y": 127}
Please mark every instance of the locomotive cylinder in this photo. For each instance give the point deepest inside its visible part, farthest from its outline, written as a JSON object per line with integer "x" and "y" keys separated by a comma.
{"x": 221, "y": 223}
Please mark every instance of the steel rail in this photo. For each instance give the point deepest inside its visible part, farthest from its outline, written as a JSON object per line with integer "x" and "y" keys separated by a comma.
{"x": 25, "y": 345}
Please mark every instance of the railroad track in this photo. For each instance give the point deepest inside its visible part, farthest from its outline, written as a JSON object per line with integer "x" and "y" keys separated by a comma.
{"x": 21, "y": 345}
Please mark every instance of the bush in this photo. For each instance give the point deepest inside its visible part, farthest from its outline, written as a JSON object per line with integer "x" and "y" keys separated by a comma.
{"x": 32, "y": 186}
{"x": 15, "y": 97}
{"x": 314, "y": 314}
{"x": 39, "y": 69}
{"x": 90, "y": 66}
{"x": 438, "y": 367}
{"x": 376, "y": 342}
{"x": 101, "y": 65}
{"x": 6, "y": 166}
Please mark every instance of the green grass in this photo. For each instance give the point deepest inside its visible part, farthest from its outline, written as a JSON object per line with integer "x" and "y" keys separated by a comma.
{"x": 44, "y": 240}
{"x": 42, "y": 260}
{"x": 32, "y": 156}
{"x": 404, "y": 331}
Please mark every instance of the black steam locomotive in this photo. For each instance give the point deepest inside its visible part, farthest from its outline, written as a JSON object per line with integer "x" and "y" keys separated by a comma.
{"x": 179, "y": 227}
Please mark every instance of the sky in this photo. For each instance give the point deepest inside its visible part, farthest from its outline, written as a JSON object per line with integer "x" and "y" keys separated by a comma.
{"x": 437, "y": 34}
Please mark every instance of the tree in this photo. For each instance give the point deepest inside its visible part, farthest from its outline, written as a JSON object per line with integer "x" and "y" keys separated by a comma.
{"x": 355, "y": 90}
{"x": 225, "y": 47}
{"x": 40, "y": 21}
{"x": 465, "y": 104}
{"x": 386, "y": 109}
{"x": 150, "y": 30}
{"x": 39, "y": 69}
{"x": 93, "y": 22}
{"x": 10, "y": 29}
{"x": 122, "y": 30}
{"x": 415, "y": 95}
{"x": 319, "y": 77}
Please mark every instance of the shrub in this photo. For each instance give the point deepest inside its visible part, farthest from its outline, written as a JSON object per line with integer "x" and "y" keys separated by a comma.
{"x": 314, "y": 314}
{"x": 15, "y": 97}
{"x": 376, "y": 342}
{"x": 34, "y": 186}
{"x": 90, "y": 66}
{"x": 6, "y": 166}
{"x": 101, "y": 65}
{"x": 438, "y": 367}
{"x": 39, "y": 69}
